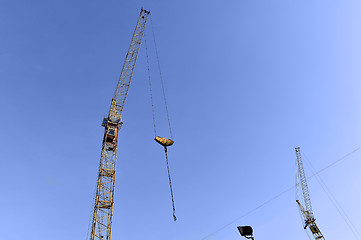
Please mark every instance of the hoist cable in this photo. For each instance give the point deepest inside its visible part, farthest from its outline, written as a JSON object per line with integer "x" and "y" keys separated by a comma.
{"x": 166, "y": 108}
{"x": 280, "y": 194}
{"x": 170, "y": 183}
{"x": 150, "y": 84}
{"x": 161, "y": 77}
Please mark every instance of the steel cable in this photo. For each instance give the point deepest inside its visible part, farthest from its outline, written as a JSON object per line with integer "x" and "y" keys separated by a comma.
{"x": 150, "y": 84}
{"x": 170, "y": 183}
{"x": 161, "y": 77}
{"x": 154, "y": 124}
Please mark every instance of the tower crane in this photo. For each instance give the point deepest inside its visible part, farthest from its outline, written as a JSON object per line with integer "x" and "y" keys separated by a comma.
{"x": 306, "y": 210}
{"x": 101, "y": 225}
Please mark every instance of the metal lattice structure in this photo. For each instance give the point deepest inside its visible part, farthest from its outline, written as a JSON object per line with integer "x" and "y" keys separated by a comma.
{"x": 306, "y": 211}
{"x": 101, "y": 225}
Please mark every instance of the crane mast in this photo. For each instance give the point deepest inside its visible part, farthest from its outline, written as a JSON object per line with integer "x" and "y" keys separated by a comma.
{"x": 307, "y": 213}
{"x": 104, "y": 199}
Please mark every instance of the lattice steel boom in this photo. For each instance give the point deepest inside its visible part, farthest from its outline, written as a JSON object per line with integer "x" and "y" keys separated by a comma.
{"x": 307, "y": 213}
{"x": 104, "y": 200}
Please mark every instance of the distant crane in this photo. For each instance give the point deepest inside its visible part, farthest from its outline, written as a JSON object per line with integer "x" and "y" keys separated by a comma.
{"x": 306, "y": 211}
{"x": 104, "y": 200}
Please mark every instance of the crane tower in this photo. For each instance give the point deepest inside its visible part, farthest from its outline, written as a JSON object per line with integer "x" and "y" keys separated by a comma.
{"x": 101, "y": 225}
{"x": 306, "y": 210}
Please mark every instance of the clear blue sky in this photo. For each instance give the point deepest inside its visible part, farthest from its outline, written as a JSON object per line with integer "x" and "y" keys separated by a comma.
{"x": 246, "y": 82}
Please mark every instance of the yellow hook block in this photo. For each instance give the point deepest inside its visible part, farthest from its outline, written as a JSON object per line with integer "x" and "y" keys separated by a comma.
{"x": 165, "y": 142}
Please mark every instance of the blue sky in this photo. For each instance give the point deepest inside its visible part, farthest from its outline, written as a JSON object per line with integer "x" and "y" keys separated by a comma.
{"x": 246, "y": 82}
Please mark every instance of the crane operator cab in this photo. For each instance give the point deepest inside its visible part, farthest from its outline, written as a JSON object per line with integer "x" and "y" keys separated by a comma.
{"x": 111, "y": 131}
{"x": 111, "y": 134}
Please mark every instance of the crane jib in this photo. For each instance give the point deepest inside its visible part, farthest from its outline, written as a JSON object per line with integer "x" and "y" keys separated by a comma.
{"x": 125, "y": 78}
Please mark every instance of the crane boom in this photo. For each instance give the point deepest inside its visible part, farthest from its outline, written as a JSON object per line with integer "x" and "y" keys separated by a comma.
{"x": 104, "y": 199}
{"x": 121, "y": 91}
{"x": 306, "y": 211}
